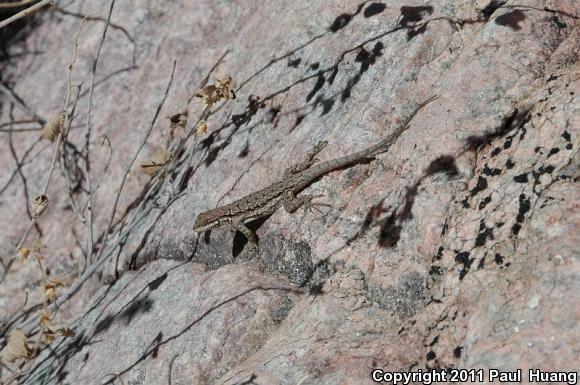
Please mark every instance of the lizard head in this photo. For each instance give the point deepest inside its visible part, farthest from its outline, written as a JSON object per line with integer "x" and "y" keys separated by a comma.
{"x": 204, "y": 222}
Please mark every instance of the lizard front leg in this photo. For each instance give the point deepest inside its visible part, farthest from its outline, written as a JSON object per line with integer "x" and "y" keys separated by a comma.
{"x": 308, "y": 161}
{"x": 249, "y": 234}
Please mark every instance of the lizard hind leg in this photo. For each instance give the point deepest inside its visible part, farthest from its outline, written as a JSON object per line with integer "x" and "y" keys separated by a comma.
{"x": 292, "y": 203}
{"x": 309, "y": 160}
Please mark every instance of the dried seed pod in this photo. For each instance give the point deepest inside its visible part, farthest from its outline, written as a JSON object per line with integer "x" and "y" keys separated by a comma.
{"x": 201, "y": 128}
{"x": 53, "y": 127}
{"x": 16, "y": 348}
{"x": 49, "y": 288}
{"x": 23, "y": 252}
{"x": 39, "y": 204}
{"x": 178, "y": 120}
{"x": 227, "y": 88}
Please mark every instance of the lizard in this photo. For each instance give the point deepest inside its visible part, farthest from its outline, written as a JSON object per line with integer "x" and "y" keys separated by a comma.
{"x": 296, "y": 178}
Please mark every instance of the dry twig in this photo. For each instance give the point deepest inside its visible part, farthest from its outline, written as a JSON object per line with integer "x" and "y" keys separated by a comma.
{"x": 25, "y": 12}
{"x": 89, "y": 225}
{"x": 57, "y": 146}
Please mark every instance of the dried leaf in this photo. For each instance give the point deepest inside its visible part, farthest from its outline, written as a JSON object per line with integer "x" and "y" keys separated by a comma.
{"x": 39, "y": 204}
{"x": 201, "y": 128}
{"x": 16, "y": 348}
{"x": 178, "y": 121}
{"x": 226, "y": 88}
{"x": 159, "y": 161}
{"x": 23, "y": 252}
{"x": 53, "y": 127}
{"x": 49, "y": 288}
{"x": 66, "y": 332}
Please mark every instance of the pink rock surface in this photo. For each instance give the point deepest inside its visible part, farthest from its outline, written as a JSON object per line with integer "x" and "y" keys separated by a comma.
{"x": 456, "y": 249}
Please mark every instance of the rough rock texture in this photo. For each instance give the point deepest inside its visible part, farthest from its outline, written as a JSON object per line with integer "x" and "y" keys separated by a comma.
{"x": 458, "y": 248}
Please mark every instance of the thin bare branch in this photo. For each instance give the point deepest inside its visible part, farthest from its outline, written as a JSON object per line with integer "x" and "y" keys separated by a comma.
{"x": 98, "y": 260}
{"x": 25, "y": 12}
{"x": 16, "y": 122}
{"x": 66, "y": 164}
{"x": 140, "y": 148}
{"x": 89, "y": 225}
{"x": 57, "y": 146}
{"x": 16, "y": 4}
{"x": 29, "y": 129}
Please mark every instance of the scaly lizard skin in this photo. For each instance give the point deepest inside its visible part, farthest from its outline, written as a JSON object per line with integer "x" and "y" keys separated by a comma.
{"x": 265, "y": 202}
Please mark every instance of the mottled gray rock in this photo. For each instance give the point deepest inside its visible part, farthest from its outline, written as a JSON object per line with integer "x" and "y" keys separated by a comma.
{"x": 458, "y": 248}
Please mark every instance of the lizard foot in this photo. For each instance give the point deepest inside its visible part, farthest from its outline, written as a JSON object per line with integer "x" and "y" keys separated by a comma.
{"x": 309, "y": 206}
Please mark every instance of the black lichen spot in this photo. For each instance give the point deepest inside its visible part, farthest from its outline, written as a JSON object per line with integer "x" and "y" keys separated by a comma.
{"x": 434, "y": 341}
{"x": 541, "y": 171}
{"x": 553, "y": 151}
{"x": 431, "y": 355}
{"x": 495, "y": 151}
{"x": 522, "y": 178}
{"x": 484, "y": 234}
{"x": 552, "y": 78}
{"x": 490, "y": 171}
{"x": 435, "y": 270}
{"x": 463, "y": 258}
{"x": 457, "y": 352}
{"x": 154, "y": 285}
{"x": 374, "y": 9}
{"x": 444, "y": 228}
{"x": 465, "y": 204}
{"x": 507, "y": 144}
{"x": 499, "y": 259}
{"x": 480, "y": 186}
{"x": 294, "y": 63}
{"x": 524, "y": 208}
{"x": 411, "y": 15}
{"x": 492, "y": 7}
{"x": 484, "y": 202}
{"x": 481, "y": 264}
{"x": 314, "y": 66}
{"x": 566, "y": 136}
{"x": 516, "y": 228}
{"x": 340, "y": 22}
{"x": 437, "y": 257}
{"x": 509, "y": 164}
{"x": 511, "y": 19}
{"x": 569, "y": 146}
